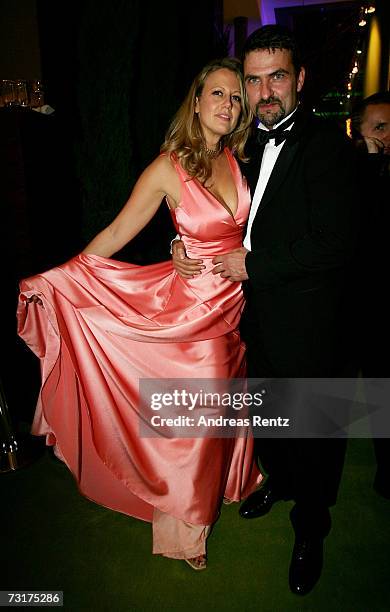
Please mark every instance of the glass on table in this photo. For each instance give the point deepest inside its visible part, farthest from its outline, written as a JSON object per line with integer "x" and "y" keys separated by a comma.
{"x": 36, "y": 93}
{"x": 21, "y": 94}
{"x": 8, "y": 94}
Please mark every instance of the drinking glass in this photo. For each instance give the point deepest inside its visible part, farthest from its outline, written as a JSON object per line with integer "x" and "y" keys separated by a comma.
{"x": 36, "y": 93}
{"x": 21, "y": 95}
{"x": 8, "y": 94}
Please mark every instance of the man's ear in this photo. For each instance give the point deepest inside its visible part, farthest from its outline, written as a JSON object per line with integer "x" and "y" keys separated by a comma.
{"x": 301, "y": 79}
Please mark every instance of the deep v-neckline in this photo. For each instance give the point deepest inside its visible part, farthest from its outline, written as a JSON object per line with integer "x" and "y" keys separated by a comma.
{"x": 223, "y": 203}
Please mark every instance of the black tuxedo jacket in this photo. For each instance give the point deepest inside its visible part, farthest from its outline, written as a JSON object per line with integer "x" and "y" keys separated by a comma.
{"x": 303, "y": 237}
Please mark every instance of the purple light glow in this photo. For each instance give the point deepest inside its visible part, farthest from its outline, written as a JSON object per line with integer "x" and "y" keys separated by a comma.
{"x": 267, "y": 7}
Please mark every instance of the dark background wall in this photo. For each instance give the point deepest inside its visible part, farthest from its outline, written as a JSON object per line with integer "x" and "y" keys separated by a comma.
{"x": 19, "y": 41}
{"x": 116, "y": 73}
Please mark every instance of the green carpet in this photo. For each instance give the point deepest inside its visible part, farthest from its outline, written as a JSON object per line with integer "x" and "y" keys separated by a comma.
{"x": 54, "y": 539}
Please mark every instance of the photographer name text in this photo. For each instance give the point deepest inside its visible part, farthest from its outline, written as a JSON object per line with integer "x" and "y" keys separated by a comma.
{"x": 220, "y": 421}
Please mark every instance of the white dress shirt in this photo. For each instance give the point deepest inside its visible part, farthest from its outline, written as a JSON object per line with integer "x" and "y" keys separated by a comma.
{"x": 270, "y": 155}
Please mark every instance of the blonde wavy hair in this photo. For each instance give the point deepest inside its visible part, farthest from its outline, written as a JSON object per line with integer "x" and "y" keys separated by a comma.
{"x": 184, "y": 137}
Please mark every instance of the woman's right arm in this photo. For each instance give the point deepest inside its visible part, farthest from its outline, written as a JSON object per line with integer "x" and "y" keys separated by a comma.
{"x": 158, "y": 180}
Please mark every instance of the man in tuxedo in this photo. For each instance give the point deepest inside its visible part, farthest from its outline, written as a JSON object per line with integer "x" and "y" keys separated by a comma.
{"x": 299, "y": 240}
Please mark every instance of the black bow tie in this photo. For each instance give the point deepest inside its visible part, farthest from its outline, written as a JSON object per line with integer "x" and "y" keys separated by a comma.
{"x": 280, "y": 134}
{"x": 264, "y": 136}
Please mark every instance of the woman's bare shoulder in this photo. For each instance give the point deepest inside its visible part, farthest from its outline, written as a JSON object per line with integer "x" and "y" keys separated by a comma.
{"x": 159, "y": 168}
{"x": 164, "y": 173}
{"x": 165, "y": 161}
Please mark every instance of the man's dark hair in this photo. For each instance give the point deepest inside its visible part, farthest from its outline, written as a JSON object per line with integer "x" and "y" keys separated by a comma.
{"x": 381, "y": 97}
{"x": 274, "y": 37}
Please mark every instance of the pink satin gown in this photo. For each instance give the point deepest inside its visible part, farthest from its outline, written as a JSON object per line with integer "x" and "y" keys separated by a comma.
{"x": 104, "y": 325}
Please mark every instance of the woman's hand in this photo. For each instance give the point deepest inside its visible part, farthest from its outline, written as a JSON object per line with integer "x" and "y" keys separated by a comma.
{"x": 184, "y": 266}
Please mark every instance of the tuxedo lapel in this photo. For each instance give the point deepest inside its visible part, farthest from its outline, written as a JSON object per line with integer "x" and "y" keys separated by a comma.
{"x": 279, "y": 172}
{"x": 283, "y": 163}
{"x": 251, "y": 170}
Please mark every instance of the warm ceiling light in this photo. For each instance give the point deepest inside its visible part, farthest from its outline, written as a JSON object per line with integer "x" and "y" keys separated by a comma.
{"x": 359, "y": 51}
{"x": 355, "y": 69}
{"x": 371, "y": 9}
{"x": 362, "y": 22}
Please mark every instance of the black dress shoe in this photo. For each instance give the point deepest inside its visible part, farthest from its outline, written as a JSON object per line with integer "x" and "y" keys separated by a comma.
{"x": 306, "y": 565}
{"x": 259, "y": 503}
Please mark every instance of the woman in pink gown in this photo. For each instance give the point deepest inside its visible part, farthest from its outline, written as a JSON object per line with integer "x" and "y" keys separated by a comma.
{"x": 100, "y": 325}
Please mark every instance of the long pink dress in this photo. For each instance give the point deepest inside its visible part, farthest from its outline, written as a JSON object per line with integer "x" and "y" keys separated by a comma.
{"x": 104, "y": 325}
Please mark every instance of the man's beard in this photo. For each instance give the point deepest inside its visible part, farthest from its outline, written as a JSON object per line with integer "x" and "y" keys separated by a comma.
{"x": 269, "y": 119}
